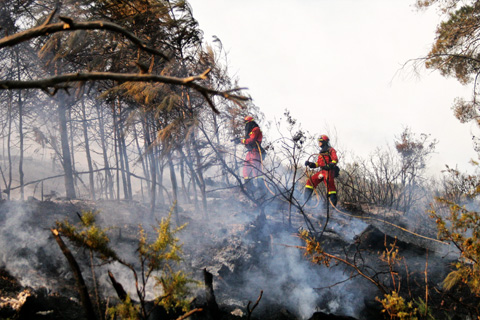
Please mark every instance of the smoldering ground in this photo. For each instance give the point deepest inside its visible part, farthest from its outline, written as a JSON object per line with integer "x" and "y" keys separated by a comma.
{"x": 27, "y": 249}
{"x": 252, "y": 258}
{"x": 247, "y": 252}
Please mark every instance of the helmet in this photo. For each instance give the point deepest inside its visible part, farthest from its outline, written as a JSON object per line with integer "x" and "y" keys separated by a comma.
{"x": 248, "y": 119}
{"x": 323, "y": 138}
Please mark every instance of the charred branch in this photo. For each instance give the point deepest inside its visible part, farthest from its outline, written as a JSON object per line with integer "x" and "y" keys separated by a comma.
{"x": 250, "y": 310}
{"x": 121, "y": 293}
{"x": 81, "y": 286}
{"x": 210, "y": 295}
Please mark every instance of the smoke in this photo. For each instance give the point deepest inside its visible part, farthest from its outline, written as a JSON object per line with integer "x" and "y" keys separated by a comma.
{"x": 28, "y": 251}
{"x": 245, "y": 252}
{"x": 289, "y": 280}
{"x": 248, "y": 255}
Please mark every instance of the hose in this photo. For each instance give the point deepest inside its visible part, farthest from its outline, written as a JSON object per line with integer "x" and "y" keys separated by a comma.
{"x": 389, "y": 223}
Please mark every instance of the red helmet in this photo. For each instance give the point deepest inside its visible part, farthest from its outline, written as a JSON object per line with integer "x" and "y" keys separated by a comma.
{"x": 248, "y": 119}
{"x": 323, "y": 138}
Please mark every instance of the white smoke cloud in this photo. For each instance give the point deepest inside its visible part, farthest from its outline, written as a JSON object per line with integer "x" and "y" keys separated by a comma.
{"x": 25, "y": 246}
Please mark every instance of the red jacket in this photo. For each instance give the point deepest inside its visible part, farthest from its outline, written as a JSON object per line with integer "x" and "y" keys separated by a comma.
{"x": 327, "y": 157}
{"x": 254, "y": 136}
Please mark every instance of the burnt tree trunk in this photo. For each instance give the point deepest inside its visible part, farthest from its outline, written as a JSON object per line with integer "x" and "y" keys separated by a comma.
{"x": 143, "y": 160}
{"x": 81, "y": 286}
{"x": 72, "y": 146}
{"x": 160, "y": 170}
{"x": 8, "y": 184}
{"x": 199, "y": 171}
{"x": 152, "y": 174}
{"x": 20, "y": 131}
{"x": 212, "y": 306}
{"x": 66, "y": 159}
{"x": 108, "y": 175}
{"x": 87, "y": 152}
{"x": 173, "y": 179}
{"x": 115, "y": 142}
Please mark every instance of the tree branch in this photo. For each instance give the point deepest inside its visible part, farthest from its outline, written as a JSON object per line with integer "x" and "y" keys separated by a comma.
{"x": 56, "y": 83}
{"x": 72, "y": 26}
{"x": 250, "y": 310}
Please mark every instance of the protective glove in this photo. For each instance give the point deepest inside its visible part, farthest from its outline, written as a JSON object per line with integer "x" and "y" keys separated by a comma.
{"x": 236, "y": 140}
{"x": 329, "y": 166}
{"x": 309, "y": 164}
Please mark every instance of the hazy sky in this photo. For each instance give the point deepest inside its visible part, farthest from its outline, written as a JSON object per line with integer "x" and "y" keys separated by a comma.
{"x": 336, "y": 65}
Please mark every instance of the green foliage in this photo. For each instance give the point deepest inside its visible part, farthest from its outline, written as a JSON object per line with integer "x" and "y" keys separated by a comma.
{"x": 175, "y": 288}
{"x": 455, "y": 52}
{"x": 397, "y": 308}
{"x": 423, "y": 309}
{"x": 314, "y": 250}
{"x": 159, "y": 256}
{"x": 462, "y": 228}
{"x": 394, "y": 305}
{"x": 87, "y": 234}
{"x": 164, "y": 248}
{"x": 125, "y": 310}
{"x": 158, "y": 259}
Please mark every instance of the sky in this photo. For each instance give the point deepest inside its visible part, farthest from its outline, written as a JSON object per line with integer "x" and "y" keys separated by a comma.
{"x": 338, "y": 66}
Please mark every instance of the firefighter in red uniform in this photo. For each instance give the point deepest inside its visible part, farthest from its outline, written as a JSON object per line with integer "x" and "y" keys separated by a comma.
{"x": 252, "y": 166}
{"x": 327, "y": 161}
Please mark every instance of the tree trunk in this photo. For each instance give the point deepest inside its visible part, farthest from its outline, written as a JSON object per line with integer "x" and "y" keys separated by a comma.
{"x": 173, "y": 179}
{"x": 115, "y": 141}
{"x": 194, "y": 179}
{"x": 9, "y": 143}
{"x": 108, "y": 174}
{"x": 160, "y": 170}
{"x": 142, "y": 158}
{"x": 212, "y": 305}
{"x": 66, "y": 160}
{"x": 182, "y": 177}
{"x": 152, "y": 176}
{"x": 87, "y": 151}
{"x": 199, "y": 172}
{"x": 72, "y": 145}
{"x": 81, "y": 286}
{"x": 127, "y": 176}
{"x": 20, "y": 132}
{"x": 119, "y": 150}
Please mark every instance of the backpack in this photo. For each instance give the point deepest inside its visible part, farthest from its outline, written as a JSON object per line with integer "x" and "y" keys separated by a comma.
{"x": 336, "y": 172}
{"x": 336, "y": 169}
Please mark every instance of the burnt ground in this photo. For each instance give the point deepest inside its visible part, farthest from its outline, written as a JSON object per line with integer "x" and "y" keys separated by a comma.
{"x": 247, "y": 250}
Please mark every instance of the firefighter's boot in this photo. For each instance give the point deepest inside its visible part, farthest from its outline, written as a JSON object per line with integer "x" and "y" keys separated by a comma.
{"x": 307, "y": 195}
{"x": 333, "y": 199}
{"x": 261, "y": 188}
{"x": 249, "y": 186}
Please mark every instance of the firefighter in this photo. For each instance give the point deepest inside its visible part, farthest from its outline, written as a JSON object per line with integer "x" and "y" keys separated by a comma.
{"x": 327, "y": 161}
{"x": 252, "y": 165}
